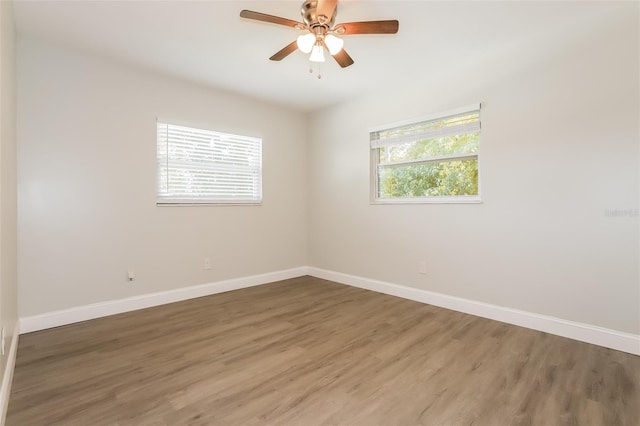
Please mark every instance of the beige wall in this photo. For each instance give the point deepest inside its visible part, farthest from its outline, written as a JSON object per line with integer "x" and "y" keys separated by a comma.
{"x": 87, "y": 176}
{"x": 8, "y": 253}
{"x": 559, "y": 147}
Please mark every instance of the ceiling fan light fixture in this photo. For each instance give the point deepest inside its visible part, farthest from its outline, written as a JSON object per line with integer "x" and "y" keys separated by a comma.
{"x": 317, "y": 53}
{"x": 306, "y": 42}
{"x": 318, "y": 18}
{"x": 334, "y": 44}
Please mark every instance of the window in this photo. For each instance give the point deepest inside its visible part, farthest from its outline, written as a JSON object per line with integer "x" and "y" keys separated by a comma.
{"x": 202, "y": 166}
{"x": 432, "y": 160}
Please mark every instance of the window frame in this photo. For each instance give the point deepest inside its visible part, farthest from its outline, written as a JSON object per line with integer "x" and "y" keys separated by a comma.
{"x": 374, "y": 154}
{"x": 187, "y": 202}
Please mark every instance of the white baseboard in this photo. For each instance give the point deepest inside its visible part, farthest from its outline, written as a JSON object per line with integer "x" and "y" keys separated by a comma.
{"x": 5, "y": 389}
{"x": 112, "y": 307}
{"x": 613, "y": 339}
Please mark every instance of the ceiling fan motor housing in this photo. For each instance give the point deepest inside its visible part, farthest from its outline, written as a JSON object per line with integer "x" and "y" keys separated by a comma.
{"x": 310, "y": 17}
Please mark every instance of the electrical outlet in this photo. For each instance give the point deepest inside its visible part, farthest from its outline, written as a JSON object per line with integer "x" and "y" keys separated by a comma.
{"x": 207, "y": 263}
{"x": 422, "y": 267}
{"x": 2, "y": 341}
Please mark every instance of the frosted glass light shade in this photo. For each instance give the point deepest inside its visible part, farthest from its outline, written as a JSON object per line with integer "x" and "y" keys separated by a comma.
{"x": 317, "y": 54}
{"x": 334, "y": 44}
{"x": 305, "y": 42}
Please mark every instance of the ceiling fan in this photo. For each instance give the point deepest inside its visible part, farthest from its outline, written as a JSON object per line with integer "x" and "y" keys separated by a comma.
{"x": 318, "y": 18}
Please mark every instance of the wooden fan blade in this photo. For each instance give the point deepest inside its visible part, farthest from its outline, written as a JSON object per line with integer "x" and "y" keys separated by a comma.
{"x": 326, "y": 8}
{"x": 250, "y": 14}
{"x": 371, "y": 27}
{"x": 285, "y": 51}
{"x": 343, "y": 59}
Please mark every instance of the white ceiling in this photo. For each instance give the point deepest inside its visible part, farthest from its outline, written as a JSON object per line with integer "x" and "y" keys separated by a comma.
{"x": 208, "y": 43}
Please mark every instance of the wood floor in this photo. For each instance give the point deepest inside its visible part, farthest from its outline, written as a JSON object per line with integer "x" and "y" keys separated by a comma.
{"x": 308, "y": 352}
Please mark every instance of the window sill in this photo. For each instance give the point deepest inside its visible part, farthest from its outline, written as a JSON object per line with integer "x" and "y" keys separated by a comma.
{"x": 428, "y": 200}
{"x": 165, "y": 203}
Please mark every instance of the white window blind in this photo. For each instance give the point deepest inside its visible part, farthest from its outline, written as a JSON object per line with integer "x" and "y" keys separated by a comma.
{"x": 467, "y": 122}
{"x": 203, "y": 166}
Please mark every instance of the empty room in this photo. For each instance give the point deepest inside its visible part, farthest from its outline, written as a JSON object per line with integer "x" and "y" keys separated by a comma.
{"x": 319, "y": 212}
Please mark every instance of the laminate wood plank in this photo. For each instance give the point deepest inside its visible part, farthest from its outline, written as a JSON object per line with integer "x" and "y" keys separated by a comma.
{"x": 311, "y": 352}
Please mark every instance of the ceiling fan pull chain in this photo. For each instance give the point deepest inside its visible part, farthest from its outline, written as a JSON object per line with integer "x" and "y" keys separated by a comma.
{"x": 311, "y": 70}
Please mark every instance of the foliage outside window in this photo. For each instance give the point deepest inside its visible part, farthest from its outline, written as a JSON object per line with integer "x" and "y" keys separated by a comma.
{"x": 431, "y": 160}
{"x": 197, "y": 166}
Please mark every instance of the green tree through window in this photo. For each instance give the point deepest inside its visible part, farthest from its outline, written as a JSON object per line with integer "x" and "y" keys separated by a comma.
{"x": 435, "y": 158}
